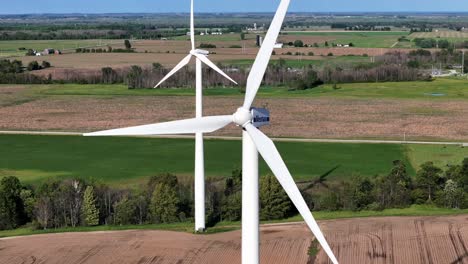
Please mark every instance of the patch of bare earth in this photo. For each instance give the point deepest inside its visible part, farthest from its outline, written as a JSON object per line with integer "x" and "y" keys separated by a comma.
{"x": 293, "y": 117}
{"x": 412, "y": 240}
{"x": 282, "y": 244}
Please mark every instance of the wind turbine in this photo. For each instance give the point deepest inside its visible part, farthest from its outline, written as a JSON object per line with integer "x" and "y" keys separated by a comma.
{"x": 253, "y": 142}
{"x": 200, "y": 57}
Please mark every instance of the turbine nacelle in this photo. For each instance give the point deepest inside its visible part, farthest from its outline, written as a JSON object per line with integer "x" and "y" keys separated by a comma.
{"x": 256, "y": 116}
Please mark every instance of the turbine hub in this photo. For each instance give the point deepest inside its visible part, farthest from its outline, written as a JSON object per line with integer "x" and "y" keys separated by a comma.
{"x": 242, "y": 117}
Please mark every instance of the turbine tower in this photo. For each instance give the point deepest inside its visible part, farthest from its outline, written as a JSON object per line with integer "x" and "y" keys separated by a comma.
{"x": 249, "y": 119}
{"x": 200, "y": 57}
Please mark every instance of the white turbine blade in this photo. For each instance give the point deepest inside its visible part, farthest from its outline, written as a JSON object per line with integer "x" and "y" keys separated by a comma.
{"x": 263, "y": 58}
{"x": 192, "y": 27}
{"x": 179, "y": 66}
{"x": 210, "y": 64}
{"x": 270, "y": 154}
{"x": 188, "y": 126}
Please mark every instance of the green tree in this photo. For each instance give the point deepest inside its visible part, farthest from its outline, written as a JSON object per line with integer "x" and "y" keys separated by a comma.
{"x": 452, "y": 194}
{"x": 29, "y": 201}
{"x": 135, "y": 77}
{"x": 242, "y": 36}
{"x": 89, "y": 208}
{"x": 362, "y": 192}
{"x": 128, "y": 45}
{"x": 429, "y": 179}
{"x": 463, "y": 182}
{"x": 298, "y": 43}
{"x": 164, "y": 204}
{"x": 394, "y": 189}
{"x": 45, "y": 64}
{"x": 274, "y": 201}
{"x": 11, "y": 206}
{"x": 126, "y": 211}
{"x": 33, "y": 66}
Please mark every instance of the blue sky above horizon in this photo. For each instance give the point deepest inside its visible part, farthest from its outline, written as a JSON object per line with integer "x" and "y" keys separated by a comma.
{"x": 162, "y": 6}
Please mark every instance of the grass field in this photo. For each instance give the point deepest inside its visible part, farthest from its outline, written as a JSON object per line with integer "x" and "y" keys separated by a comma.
{"x": 443, "y": 88}
{"x": 129, "y": 161}
{"x": 359, "y": 39}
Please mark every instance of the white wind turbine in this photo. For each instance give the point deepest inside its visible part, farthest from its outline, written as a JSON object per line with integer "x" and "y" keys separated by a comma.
{"x": 200, "y": 57}
{"x": 253, "y": 142}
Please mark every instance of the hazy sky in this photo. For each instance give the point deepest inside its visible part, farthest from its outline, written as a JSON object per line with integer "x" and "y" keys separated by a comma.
{"x": 155, "y": 6}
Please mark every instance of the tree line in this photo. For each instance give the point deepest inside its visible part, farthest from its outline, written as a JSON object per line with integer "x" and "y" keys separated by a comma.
{"x": 58, "y": 203}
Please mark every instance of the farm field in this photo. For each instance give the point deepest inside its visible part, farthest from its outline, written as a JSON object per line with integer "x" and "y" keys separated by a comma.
{"x": 417, "y": 110}
{"x": 130, "y": 161}
{"x": 133, "y": 160}
{"x": 405, "y": 240}
{"x": 10, "y": 48}
{"x": 383, "y": 39}
{"x": 437, "y": 90}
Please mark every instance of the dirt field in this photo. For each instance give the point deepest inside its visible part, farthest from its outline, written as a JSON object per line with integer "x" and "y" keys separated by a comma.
{"x": 306, "y": 117}
{"x": 280, "y": 244}
{"x": 402, "y": 240}
{"x": 441, "y": 240}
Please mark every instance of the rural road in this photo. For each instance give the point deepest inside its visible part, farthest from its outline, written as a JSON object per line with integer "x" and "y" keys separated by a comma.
{"x": 307, "y": 140}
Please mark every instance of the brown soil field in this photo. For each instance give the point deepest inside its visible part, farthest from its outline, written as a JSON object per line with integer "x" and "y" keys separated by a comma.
{"x": 280, "y": 244}
{"x": 402, "y": 240}
{"x": 442, "y": 240}
{"x": 306, "y": 117}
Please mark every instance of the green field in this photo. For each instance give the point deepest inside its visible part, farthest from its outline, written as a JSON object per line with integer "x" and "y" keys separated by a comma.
{"x": 375, "y": 39}
{"x": 10, "y": 48}
{"x": 445, "y": 89}
{"x": 129, "y": 161}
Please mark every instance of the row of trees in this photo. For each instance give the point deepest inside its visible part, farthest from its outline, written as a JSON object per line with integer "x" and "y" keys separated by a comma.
{"x": 432, "y": 185}
{"x": 164, "y": 199}
{"x": 72, "y": 203}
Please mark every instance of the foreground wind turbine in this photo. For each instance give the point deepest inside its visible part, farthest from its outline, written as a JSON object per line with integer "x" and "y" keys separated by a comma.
{"x": 253, "y": 142}
{"x": 200, "y": 56}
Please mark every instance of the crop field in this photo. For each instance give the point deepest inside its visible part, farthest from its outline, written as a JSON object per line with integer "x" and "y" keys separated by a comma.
{"x": 416, "y": 110}
{"x": 280, "y": 244}
{"x": 130, "y": 161}
{"x": 398, "y": 240}
{"x": 359, "y": 39}
{"x": 10, "y": 48}
{"x": 405, "y": 240}
{"x": 440, "y": 34}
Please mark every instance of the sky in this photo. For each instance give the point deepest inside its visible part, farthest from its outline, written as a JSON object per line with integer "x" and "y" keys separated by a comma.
{"x": 163, "y": 6}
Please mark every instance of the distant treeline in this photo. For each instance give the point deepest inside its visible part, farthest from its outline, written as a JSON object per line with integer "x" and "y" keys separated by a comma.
{"x": 13, "y": 72}
{"x": 163, "y": 198}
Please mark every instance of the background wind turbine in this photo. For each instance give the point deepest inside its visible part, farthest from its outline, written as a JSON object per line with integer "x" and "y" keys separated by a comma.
{"x": 253, "y": 142}
{"x": 200, "y": 57}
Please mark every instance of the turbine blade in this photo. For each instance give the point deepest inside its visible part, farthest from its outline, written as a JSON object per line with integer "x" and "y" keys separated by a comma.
{"x": 179, "y": 66}
{"x": 270, "y": 154}
{"x": 263, "y": 58}
{"x": 210, "y": 64}
{"x": 192, "y": 26}
{"x": 188, "y": 126}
